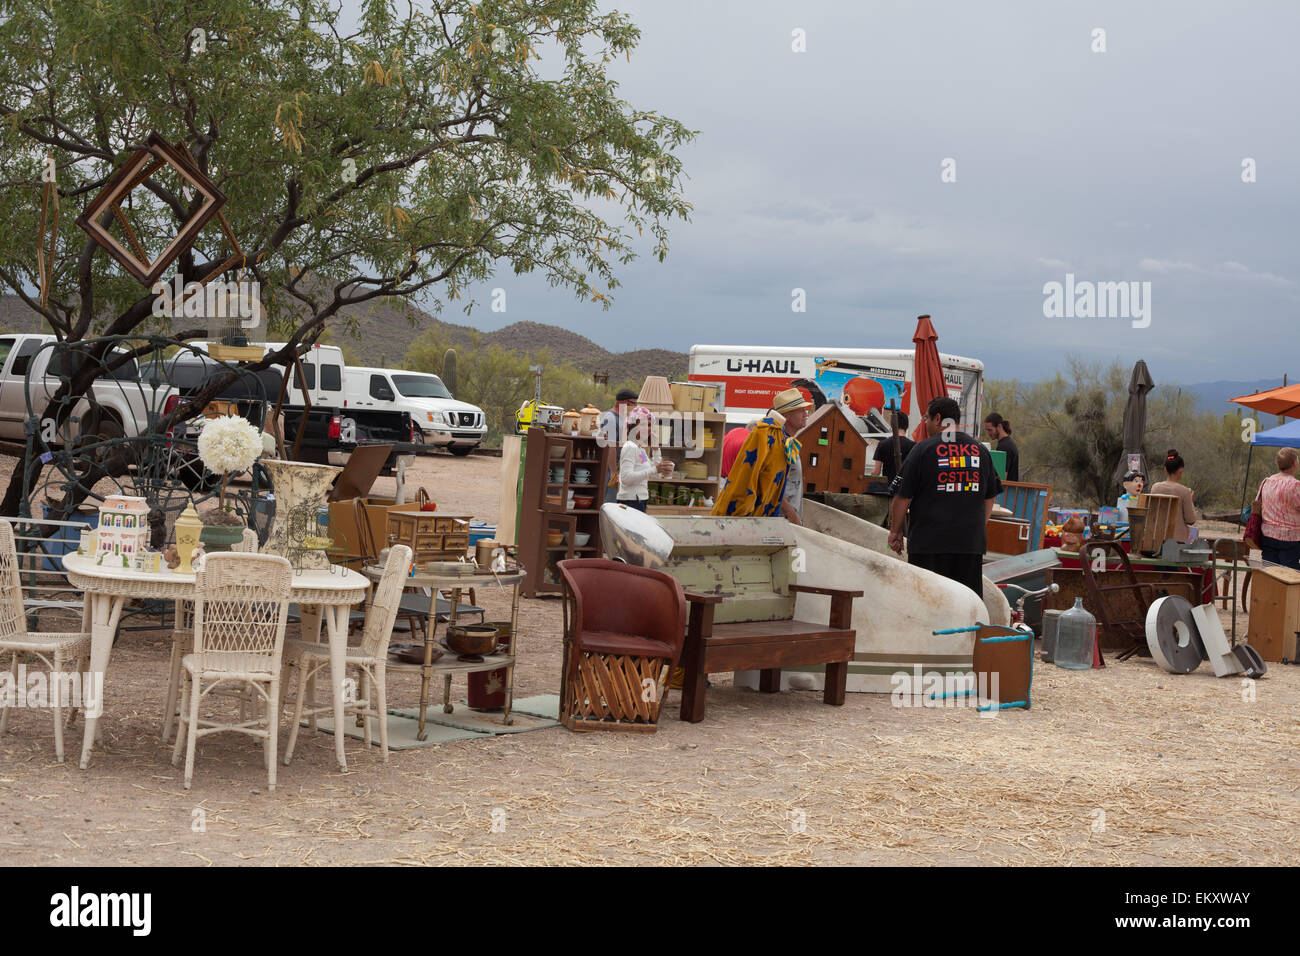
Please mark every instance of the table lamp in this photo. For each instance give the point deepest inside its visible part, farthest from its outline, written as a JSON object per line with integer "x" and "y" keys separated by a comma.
{"x": 188, "y": 529}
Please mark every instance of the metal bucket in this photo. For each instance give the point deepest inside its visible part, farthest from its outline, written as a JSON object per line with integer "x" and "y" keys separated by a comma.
{"x": 487, "y": 689}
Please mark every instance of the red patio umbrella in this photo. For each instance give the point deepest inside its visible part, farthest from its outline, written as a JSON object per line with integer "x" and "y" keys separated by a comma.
{"x": 927, "y": 381}
{"x": 1284, "y": 401}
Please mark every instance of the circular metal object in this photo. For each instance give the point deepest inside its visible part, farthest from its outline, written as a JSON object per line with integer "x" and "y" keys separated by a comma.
{"x": 1172, "y": 635}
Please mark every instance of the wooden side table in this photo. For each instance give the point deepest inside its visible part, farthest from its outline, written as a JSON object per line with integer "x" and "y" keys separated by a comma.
{"x": 449, "y": 666}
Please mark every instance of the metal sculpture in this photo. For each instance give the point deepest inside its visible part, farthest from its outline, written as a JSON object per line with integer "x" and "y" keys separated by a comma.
{"x": 135, "y": 430}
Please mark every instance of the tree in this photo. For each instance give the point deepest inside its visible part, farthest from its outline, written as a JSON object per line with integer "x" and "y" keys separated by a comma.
{"x": 410, "y": 157}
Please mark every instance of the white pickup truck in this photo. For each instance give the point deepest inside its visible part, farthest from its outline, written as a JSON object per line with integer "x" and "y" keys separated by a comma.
{"x": 123, "y": 404}
{"x": 441, "y": 419}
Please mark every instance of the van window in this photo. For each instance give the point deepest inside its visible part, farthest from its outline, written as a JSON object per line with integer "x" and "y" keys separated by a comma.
{"x": 23, "y": 360}
{"x": 331, "y": 377}
{"x": 380, "y": 389}
{"x": 421, "y": 386}
{"x": 308, "y": 372}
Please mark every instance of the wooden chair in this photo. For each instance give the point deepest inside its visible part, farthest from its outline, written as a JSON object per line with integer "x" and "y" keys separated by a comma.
{"x": 56, "y": 650}
{"x": 1235, "y": 551}
{"x": 766, "y": 646}
{"x": 240, "y": 604}
{"x": 183, "y": 643}
{"x": 623, "y": 629}
{"x": 370, "y": 658}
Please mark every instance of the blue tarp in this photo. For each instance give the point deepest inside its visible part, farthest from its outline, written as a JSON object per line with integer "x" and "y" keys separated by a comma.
{"x": 1284, "y": 436}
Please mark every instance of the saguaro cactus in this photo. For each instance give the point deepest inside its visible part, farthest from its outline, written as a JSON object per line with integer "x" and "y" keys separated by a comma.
{"x": 449, "y": 370}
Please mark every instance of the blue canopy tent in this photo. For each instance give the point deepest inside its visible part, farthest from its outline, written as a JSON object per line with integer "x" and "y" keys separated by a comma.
{"x": 1284, "y": 436}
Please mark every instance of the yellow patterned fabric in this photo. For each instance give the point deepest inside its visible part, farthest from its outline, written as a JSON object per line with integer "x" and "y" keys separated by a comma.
{"x": 757, "y": 480}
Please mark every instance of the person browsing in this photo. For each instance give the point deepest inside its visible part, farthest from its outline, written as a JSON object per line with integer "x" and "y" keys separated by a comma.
{"x": 767, "y": 477}
{"x": 635, "y": 467}
{"x": 1279, "y": 500}
{"x": 946, "y": 490}
{"x": 1173, "y": 485}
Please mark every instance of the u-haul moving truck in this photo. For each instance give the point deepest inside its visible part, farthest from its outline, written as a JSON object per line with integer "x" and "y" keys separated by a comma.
{"x": 863, "y": 382}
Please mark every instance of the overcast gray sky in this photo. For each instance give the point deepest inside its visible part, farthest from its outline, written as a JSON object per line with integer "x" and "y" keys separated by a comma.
{"x": 822, "y": 170}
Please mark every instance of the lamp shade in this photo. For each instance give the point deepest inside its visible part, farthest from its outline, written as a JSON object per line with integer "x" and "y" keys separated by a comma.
{"x": 655, "y": 394}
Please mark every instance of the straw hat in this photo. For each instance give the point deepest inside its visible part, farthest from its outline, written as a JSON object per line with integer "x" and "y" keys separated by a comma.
{"x": 789, "y": 400}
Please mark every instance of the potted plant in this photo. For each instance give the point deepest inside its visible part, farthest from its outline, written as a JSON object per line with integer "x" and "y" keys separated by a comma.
{"x": 228, "y": 444}
{"x": 222, "y": 528}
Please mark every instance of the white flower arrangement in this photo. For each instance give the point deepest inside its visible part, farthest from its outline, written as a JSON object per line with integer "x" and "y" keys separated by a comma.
{"x": 229, "y": 444}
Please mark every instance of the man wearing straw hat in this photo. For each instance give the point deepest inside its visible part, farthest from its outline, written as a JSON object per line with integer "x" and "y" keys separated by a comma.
{"x": 767, "y": 477}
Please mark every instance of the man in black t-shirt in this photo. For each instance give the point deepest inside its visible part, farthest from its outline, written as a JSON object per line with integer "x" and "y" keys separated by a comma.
{"x": 885, "y": 449}
{"x": 999, "y": 431}
{"x": 947, "y": 486}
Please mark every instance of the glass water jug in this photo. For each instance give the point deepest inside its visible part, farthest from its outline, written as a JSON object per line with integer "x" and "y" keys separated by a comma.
{"x": 1076, "y": 635}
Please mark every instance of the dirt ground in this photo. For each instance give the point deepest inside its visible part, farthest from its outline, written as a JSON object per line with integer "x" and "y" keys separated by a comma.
{"x": 1127, "y": 765}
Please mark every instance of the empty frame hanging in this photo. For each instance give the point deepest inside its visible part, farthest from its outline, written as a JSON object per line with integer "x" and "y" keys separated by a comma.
{"x": 144, "y": 163}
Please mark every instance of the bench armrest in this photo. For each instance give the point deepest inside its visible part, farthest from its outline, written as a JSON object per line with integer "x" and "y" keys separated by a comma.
{"x": 830, "y": 592}
{"x": 696, "y": 597}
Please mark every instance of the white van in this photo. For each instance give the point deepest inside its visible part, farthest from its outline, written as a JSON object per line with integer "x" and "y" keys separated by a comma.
{"x": 863, "y": 382}
{"x": 457, "y": 426}
{"x": 322, "y": 369}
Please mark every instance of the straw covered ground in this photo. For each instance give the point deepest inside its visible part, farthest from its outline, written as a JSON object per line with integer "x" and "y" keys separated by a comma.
{"x": 1128, "y": 765}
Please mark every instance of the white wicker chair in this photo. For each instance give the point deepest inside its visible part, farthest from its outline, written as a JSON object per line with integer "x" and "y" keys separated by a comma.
{"x": 240, "y": 605}
{"x": 370, "y": 657}
{"x": 183, "y": 643}
{"x": 55, "y": 650}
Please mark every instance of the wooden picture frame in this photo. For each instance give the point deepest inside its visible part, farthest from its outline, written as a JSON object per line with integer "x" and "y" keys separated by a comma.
{"x": 142, "y": 164}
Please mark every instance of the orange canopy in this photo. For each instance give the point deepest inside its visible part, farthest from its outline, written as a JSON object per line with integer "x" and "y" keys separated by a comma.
{"x": 1283, "y": 401}
{"x": 927, "y": 372}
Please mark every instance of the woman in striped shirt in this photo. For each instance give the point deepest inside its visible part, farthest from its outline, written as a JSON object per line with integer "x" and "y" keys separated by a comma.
{"x": 1279, "y": 499}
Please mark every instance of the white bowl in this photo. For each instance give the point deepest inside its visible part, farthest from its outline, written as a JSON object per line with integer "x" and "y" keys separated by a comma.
{"x": 580, "y": 539}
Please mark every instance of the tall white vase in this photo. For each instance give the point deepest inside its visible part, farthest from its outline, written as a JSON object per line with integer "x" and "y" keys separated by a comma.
{"x": 300, "y": 488}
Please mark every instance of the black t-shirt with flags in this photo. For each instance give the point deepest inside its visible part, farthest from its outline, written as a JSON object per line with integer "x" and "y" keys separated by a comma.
{"x": 948, "y": 479}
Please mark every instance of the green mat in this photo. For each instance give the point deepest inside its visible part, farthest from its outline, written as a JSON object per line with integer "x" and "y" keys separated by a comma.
{"x": 529, "y": 713}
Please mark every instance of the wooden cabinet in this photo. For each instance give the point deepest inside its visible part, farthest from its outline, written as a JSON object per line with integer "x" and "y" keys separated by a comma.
{"x": 429, "y": 535}
{"x": 1274, "y": 613}
{"x": 692, "y": 441}
{"x": 559, "y": 512}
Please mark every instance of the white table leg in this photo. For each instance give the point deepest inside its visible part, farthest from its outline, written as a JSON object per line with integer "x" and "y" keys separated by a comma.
{"x": 101, "y": 613}
{"x": 310, "y": 617}
{"x": 336, "y": 623}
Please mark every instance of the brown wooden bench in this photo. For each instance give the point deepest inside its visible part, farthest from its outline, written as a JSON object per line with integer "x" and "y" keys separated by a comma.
{"x": 766, "y": 646}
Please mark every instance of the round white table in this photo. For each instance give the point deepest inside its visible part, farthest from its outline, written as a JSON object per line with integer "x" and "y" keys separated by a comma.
{"x": 317, "y": 593}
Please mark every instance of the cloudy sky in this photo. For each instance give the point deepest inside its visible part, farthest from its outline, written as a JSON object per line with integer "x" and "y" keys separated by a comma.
{"x": 822, "y": 170}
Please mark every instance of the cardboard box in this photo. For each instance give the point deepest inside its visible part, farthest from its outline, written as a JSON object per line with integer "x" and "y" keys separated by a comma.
{"x": 694, "y": 396}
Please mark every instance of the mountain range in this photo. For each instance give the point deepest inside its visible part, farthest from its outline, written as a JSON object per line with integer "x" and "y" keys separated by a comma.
{"x": 386, "y": 332}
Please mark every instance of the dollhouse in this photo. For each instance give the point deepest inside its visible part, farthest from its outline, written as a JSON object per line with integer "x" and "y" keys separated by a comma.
{"x": 123, "y": 527}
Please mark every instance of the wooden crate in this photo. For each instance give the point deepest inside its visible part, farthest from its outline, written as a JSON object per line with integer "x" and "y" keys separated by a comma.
{"x": 1008, "y": 536}
{"x": 1274, "y": 613}
{"x": 1161, "y": 521}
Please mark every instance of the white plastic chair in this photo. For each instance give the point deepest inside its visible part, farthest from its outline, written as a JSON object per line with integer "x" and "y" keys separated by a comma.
{"x": 240, "y": 605}
{"x": 370, "y": 657}
{"x": 183, "y": 642}
{"x": 54, "y": 649}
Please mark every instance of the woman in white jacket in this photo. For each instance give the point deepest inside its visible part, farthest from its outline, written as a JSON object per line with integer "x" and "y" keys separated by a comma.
{"x": 635, "y": 468}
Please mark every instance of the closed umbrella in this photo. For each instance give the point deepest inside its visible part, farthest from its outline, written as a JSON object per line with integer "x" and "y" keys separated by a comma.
{"x": 1135, "y": 421}
{"x": 927, "y": 382}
